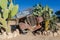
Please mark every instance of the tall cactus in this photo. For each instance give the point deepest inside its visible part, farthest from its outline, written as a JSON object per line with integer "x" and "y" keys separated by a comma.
{"x": 47, "y": 17}
{"x": 46, "y": 13}
{"x": 6, "y": 11}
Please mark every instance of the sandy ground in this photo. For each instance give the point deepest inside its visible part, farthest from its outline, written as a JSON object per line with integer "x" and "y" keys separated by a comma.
{"x": 30, "y": 36}
{"x": 37, "y": 37}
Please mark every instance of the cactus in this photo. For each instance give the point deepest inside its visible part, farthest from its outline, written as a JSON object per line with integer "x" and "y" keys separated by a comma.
{"x": 47, "y": 14}
{"x": 6, "y": 11}
{"x": 47, "y": 17}
{"x": 3, "y": 4}
{"x": 37, "y": 10}
{"x": 53, "y": 24}
{"x": 46, "y": 25}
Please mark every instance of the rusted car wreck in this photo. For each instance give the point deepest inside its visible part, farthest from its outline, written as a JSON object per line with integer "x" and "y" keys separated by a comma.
{"x": 28, "y": 22}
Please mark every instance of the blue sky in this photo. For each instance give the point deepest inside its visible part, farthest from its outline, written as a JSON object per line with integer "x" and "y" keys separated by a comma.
{"x": 24, "y": 4}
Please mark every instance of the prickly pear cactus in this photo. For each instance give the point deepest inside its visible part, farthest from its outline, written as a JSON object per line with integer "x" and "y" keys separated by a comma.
{"x": 3, "y": 4}
{"x": 6, "y": 11}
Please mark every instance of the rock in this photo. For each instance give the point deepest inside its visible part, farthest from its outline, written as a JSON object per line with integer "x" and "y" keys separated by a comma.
{"x": 58, "y": 32}
{"x": 10, "y": 35}
{"x": 48, "y": 32}
{"x": 2, "y": 31}
{"x": 15, "y": 34}
{"x": 4, "y": 35}
{"x": 40, "y": 33}
{"x": 55, "y": 34}
{"x": 17, "y": 31}
{"x": 51, "y": 34}
{"x": 44, "y": 33}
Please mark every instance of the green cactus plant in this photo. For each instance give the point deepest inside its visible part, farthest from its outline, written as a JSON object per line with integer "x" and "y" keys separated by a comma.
{"x": 6, "y": 11}
{"x": 37, "y": 10}
{"x": 47, "y": 14}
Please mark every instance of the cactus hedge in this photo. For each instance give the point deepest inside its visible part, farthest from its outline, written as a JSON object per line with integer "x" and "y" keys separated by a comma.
{"x": 7, "y": 8}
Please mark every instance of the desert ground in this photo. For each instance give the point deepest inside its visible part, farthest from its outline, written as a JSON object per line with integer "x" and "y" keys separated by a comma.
{"x": 30, "y": 36}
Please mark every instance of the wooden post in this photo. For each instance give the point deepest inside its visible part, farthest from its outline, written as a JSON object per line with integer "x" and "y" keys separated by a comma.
{"x": 17, "y": 21}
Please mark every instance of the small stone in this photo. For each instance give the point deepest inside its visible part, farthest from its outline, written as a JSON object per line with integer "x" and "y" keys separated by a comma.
{"x": 15, "y": 34}
{"x": 10, "y": 35}
{"x": 17, "y": 31}
{"x": 55, "y": 34}
{"x": 48, "y": 32}
{"x": 4, "y": 35}
{"x": 58, "y": 32}
{"x": 51, "y": 34}
{"x": 40, "y": 33}
{"x": 2, "y": 31}
{"x": 44, "y": 33}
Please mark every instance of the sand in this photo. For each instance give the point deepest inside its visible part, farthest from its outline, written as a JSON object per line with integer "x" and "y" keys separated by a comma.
{"x": 30, "y": 36}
